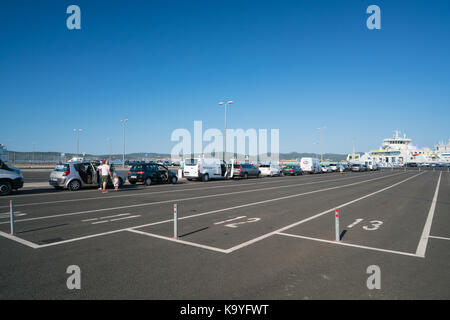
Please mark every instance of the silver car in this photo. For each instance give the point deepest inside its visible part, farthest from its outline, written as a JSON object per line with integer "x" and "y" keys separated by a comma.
{"x": 77, "y": 175}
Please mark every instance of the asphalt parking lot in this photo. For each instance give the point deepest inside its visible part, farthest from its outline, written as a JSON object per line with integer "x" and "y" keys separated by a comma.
{"x": 269, "y": 238}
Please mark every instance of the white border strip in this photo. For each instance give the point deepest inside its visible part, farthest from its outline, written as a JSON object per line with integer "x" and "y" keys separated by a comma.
{"x": 422, "y": 247}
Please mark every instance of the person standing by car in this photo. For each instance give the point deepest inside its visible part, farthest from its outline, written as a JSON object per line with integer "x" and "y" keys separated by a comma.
{"x": 106, "y": 173}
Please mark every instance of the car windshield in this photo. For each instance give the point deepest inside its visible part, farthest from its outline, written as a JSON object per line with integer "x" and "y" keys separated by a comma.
{"x": 190, "y": 162}
{"x": 138, "y": 167}
{"x": 264, "y": 166}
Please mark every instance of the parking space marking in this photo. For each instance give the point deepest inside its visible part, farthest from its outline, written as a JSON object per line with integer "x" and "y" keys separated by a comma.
{"x": 193, "y": 244}
{"x": 229, "y": 220}
{"x": 129, "y": 217}
{"x": 98, "y": 222}
{"x": 107, "y": 217}
{"x": 207, "y": 196}
{"x": 350, "y": 245}
{"x": 6, "y": 215}
{"x": 441, "y": 238}
{"x": 422, "y": 247}
{"x": 19, "y": 240}
{"x": 179, "y": 190}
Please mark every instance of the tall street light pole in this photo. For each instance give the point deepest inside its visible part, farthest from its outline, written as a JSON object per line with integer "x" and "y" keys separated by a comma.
{"x": 110, "y": 148}
{"x": 225, "y": 134}
{"x": 78, "y": 139}
{"x": 124, "y": 122}
{"x": 321, "y": 142}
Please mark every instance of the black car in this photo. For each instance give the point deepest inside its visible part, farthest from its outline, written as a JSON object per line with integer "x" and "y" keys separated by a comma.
{"x": 150, "y": 173}
{"x": 291, "y": 170}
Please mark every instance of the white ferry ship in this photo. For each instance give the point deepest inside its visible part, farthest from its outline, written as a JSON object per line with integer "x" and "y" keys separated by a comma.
{"x": 399, "y": 150}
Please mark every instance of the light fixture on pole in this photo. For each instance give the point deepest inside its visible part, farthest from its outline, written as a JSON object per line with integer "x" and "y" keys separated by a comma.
{"x": 124, "y": 122}
{"x": 225, "y": 133}
{"x": 78, "y": 137}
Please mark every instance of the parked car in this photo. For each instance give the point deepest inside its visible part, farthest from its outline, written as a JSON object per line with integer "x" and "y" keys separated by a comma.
{"x": 78, "y": 175}
{"x": 292, "y": 170}
{"x": 11, "y": 178}
{"x": 310, "y": 165}
{"x": 270, "y": 169}
{"x": 334, "y": 167}
{"x": 151, "y": 173}
{"x": 244, "y": 170}
{"x": 204, "y": 169}
{"x": 358, "y": 167}
{"x": 326, "y": 168}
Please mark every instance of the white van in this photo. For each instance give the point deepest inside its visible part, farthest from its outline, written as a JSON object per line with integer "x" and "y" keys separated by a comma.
{"x": 270, "y": 169}
{"x": 204, "y": 169}
{"x": 311, "y": 165}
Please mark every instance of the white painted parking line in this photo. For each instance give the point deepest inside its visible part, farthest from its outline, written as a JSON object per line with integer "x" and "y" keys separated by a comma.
{"x": 130, "y": 217}
{"x": 6, "y": 215}
{"x": 350, "y": 245}
{"x": 204, "y": 197}
{"x": 422, "y": 247}
{"x": 107, "y": 217}
{"x": 19, "y": 240}
{"x": 229, "y": 220}
{"x": 98, "y": 222}
{"x": 193, "y": 244}
{"x": 180, "y": 190}
{"x": 440, "y": 238}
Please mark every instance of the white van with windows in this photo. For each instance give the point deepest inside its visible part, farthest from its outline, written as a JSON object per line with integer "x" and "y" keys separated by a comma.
{"x": 204, "y": 169}
{"x": 311, "y": 165}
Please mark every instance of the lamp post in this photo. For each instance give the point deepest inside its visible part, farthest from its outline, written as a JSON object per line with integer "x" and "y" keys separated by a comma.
{"x": 321, "y": 142}
{"x": 315, "y": 154}
{"x": 110, "y": 148}
{"x": 78, "y": 139}
{"x": 225, "y": 133}
{"x": 124, "y": 122}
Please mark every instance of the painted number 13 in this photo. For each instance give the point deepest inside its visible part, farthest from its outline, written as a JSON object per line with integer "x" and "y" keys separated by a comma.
{"x": 374, "y": 224}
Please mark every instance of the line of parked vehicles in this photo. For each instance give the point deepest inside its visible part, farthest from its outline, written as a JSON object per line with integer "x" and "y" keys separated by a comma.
{"x": 78, "y": 174}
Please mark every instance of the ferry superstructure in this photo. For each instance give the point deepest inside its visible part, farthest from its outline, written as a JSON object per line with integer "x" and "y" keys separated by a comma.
{"x": 399, "y": 150}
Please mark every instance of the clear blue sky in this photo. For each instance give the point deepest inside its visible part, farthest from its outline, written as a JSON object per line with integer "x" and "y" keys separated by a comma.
{"x": 291, "y": 65}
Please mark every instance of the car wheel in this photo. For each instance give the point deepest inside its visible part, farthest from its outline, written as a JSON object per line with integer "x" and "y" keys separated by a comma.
{"x": 120, "y": 182}
{"x": 259, "y": 175}
{"x": 174, "y": 180}
{"x": 74, "y": 185}
{"x": 5, "y": 188}
{"x": 246, "y": 175}
{"x": 148, "y": 181}
{"x": 205, "y": 178}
